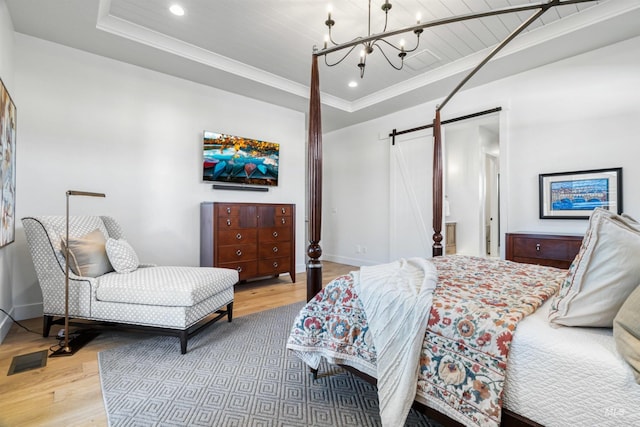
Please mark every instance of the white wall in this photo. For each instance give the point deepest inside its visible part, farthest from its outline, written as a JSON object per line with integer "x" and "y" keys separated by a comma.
{"x": 577, "y": 114}
{"x": 7, "y": 254}
{"x": 90, "y": 123}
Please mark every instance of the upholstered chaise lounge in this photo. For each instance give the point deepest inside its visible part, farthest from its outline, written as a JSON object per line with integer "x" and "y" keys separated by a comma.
{"x": 177, "y": 301}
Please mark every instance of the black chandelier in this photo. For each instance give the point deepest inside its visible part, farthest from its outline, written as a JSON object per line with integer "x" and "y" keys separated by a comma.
{"x": 371, "y": 41}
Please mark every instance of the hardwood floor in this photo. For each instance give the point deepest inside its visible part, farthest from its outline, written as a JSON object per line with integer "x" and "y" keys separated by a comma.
{"x": 67, "y": 391}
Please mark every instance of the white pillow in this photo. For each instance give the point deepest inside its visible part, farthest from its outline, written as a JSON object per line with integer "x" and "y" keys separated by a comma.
{"x": 121, "y": 255}
{"x": 603, "y": 274}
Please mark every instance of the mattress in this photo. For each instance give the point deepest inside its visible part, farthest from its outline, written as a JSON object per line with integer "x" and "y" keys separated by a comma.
{"x": 569, "y": 376}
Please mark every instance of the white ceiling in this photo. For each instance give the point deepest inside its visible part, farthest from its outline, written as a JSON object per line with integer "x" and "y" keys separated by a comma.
{"x": 263, "y": 48}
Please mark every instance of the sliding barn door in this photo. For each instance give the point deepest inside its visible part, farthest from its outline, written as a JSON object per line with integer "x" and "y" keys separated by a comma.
{"x": 411, "y": 195}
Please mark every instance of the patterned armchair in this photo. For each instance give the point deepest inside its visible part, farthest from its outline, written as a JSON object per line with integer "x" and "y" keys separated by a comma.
{"x": 180, "y": 301}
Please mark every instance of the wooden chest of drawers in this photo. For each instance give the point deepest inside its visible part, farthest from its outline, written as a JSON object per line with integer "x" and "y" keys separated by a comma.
{"x": 553, "y": 250}
{"x": 257, "y": 239}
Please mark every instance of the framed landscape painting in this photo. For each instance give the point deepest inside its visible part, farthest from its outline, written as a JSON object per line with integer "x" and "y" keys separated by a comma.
{"x": 573, "y": 195}
{"x": 7, "y": 167}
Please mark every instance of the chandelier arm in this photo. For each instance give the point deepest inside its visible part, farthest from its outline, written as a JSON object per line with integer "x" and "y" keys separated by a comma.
{"x": 341, "y": 59}
{"x": 385, "y": 55}
{"x": 399, "y": 49}
{"x": 331, "y": 38}
{"x": 453, "y": 19}
{"x": 416, "y": 46}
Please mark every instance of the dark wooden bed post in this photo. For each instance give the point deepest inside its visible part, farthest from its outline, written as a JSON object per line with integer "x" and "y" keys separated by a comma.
{"x": 314, "y": 265}
{"x": 437, "y": 186}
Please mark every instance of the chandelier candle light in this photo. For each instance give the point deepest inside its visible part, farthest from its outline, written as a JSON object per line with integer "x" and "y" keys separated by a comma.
{"x": 372, "y": 41}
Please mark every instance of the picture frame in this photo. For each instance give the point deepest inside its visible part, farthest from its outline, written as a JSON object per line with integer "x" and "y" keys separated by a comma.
{"x": 8, "y": 116}
{"x": 574, "y": 195}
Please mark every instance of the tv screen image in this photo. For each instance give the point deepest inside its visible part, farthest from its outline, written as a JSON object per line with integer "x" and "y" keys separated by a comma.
{"x": 234, "y": 159}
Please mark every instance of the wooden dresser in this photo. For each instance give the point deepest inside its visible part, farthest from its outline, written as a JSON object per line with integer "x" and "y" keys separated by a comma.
{"x": 257, "y": 239}
{"x": 554, "y": 250}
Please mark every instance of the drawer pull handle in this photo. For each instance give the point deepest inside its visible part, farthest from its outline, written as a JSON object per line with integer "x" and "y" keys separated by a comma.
{"x": 275, "y": 249}
{"x": 275, "y": 234}
{"x": 283, "y": 211}
{"x": 537, "y": 247}
{"x": 239, "y": 252}
{"x": 283, "y": 221}
{"x": 228, "y": 210}
{"x": 238, "y": 236}
{"x": 275, "y": 265}
{"x": 228, "y": 222}
{"x": 239, "y": 269}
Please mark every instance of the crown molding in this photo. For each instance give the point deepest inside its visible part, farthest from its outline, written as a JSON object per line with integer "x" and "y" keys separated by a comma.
{"x": 143, "y": 35}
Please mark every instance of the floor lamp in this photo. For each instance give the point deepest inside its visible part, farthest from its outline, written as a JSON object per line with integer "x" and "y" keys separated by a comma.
{"x": 71, "y": 346}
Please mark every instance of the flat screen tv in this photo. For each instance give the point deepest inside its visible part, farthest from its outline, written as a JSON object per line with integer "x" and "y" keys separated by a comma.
{"x": 238, "y": 160}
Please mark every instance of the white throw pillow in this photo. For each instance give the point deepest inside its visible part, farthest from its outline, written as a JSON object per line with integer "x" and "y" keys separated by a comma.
{"x": 122, "y": 256}
{"x": 603, "y": 274}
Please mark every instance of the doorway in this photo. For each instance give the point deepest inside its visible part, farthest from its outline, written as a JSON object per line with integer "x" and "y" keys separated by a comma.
{"x": 471, "y": 186}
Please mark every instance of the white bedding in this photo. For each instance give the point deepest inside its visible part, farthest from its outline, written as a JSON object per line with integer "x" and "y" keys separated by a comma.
{"x": 397, "y": 298}
{"x": 569, "y": 376}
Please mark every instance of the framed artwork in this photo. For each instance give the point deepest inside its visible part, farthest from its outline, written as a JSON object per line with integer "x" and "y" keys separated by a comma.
{"x": 573, "y": 195}
{"x": 7, "y": 167}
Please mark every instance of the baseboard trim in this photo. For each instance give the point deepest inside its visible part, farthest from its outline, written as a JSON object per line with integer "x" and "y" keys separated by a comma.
{"x": 5, "y": 324}
{"x": 348, "y": 261}
{"x": 28, "y": 311}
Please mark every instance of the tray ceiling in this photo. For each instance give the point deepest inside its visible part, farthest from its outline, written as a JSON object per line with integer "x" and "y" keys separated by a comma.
{"x": 262, "y": 48}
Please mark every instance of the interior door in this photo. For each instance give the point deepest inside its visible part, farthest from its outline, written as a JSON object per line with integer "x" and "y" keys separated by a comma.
{"x": 410, "y": 214}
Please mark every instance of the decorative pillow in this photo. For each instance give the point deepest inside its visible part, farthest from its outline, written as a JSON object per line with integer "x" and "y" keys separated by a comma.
{"x": 603, "y": 274}
{"x": 626, "y": 331}
{"x": 87, "y": 255}
{"x": 122, "y": 256}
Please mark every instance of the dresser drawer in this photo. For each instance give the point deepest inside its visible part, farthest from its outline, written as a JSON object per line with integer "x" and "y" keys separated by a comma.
{"x": 274, "y": 234}
{"x": 237, "y": 253}
{"x": 544, "y": 249}
{"x": 283, "y": 210}
{"x": 274, "y": 266}
{"x": 225, "y": 210}
{"x": 272, "y": 250}
{"x": 245, "y": 269}
{"x": 237, "y": 236}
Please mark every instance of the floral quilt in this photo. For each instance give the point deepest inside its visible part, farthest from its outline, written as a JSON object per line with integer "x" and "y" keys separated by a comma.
{"x": 476, "y": 308}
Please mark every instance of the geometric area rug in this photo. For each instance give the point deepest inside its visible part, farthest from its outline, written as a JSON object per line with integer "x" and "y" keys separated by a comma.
{"x": 234, "y": 374}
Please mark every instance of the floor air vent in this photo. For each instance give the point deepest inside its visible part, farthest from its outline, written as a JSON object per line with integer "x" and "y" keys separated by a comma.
{"x": 27, "y": 362}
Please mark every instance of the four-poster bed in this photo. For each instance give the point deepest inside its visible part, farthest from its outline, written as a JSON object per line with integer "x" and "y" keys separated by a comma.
{"x": 359, "y": 357}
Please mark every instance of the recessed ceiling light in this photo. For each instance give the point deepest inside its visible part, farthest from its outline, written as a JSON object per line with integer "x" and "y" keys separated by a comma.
{"x": 353, "y": 84}
{"x": 177, "y": 10}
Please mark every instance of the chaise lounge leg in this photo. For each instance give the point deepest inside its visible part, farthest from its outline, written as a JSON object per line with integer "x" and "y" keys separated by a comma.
{"x": 230, "y": 311}
{"x": 314, "y": 373}
{"x": 184, "y": 336}
{"x": 47, "y": 321}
